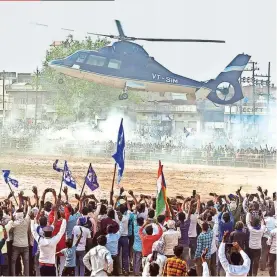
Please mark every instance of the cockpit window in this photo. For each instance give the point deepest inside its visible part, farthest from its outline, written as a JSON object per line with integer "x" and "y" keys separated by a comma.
{"x": 114, "y": 64}
{"x": 96, "y": 60}
{"x": 81, "y": 58}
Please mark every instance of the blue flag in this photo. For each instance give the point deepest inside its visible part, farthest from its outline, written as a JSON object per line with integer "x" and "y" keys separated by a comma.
{"x": 91, "y": 179}
{"x": 6, "y": 174}
{"x": 119, "y": 156}
{"x": 187, "y": 133}
{"x": 67, "y": 177}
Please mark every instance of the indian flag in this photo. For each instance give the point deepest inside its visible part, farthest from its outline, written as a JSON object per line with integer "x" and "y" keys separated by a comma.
{"x": 161, "y": 201}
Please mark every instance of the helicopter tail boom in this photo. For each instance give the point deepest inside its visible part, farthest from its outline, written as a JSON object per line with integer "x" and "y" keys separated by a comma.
{"x": 231, "y": 75}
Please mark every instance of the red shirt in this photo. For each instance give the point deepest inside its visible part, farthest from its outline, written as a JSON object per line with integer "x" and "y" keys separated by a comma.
{"x": 61, "y": 244}
{"x": 148, "y": 240}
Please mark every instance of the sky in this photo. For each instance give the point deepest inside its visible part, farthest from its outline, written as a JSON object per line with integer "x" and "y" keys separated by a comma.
{"x": 247, "y": 26}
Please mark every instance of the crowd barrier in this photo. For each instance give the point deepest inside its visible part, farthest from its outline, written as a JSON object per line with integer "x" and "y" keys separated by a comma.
{"x": 175, "y": 156}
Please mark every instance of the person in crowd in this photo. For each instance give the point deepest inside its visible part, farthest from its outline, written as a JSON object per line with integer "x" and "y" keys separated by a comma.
{"x": 273, "y": 250}
{"x": 204, "y": 241}
{"x": 84, "y": 241}
{"x": 235, "y": 268}
{"x": 70, "y": 256}
{"x": 176, "y": 266}
{"x": 4, "y": 265}
{"x": 157, "y": 256}
{"x": 137, "y": 246}
{"x": 99, "y": 260}
{"x": 47, "y": 247}
{"x": 148, "y": 239}
{"x": 256, "y": 229}
{"x": 112, "y": 245}
{"x": 170, "y": 238}
{"x": 239, "y": 236}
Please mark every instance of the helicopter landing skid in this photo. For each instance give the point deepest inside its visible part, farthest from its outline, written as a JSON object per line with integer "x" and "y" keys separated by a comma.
{"x": 123, "y": 95}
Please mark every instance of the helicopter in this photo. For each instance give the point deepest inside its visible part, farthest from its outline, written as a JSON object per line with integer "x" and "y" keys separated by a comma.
{"x": 127, "y": 66}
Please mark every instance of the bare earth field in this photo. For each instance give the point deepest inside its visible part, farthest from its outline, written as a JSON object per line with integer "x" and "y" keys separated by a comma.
{"x": 140, "y": 176}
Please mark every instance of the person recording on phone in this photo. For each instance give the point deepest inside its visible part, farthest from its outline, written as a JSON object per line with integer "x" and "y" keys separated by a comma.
{"x": 237, "y": 267}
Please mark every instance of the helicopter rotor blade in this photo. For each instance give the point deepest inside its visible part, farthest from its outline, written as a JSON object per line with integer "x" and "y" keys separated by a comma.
{"x": 119, "y": 28}
{"x": 179, "y": 40}
{"x": 102, "y": 35}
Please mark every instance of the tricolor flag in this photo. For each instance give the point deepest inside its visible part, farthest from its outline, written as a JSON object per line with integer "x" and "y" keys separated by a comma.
{"x": 119, "y": 156}
{"x": 6, "y": 174}
{"x": 91, "y": 179}
{"x": 161, "y": 201}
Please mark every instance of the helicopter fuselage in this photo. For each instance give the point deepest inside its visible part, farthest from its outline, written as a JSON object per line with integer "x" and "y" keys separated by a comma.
{"x": 124, "y": 64}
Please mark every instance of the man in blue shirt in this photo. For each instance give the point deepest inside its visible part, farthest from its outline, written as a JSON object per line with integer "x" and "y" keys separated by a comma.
{"x": 137, "y": 247}
{"x": 225, "y": 223}
{"x": 112, "y": 246}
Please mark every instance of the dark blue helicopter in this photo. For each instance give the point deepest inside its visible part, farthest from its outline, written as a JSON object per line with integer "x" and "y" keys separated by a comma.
{"x": 128, "y": 66}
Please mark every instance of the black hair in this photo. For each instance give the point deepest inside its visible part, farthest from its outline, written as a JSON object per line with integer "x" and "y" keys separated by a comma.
{"x": 256, "y": 222}
{"x": 149, "y": 230}
{"x": 205, "y": 226}
{"x": 235, "y": 258}
{"x": 154, "y": 256}
{"x": 151, "y": 213}
{"x": 85, "y": 211}
{"x": 110, "y": 229}
{"x": 226, "y": 217}
{"x": 140, "y": 221}
{"x": 178, "y": 250}
{"x": 43, "y": 221}
{"x": 111, "y": 214}
{"x": 123, "y": 208}
{"x": 103, "y": 209}
{"x": 154, "y": 269}
{"x": 102, "y": 240}
{"x": 181, "y": 216}
{"x": 192, "y": 272}
{"x": 161, "y": 218}
{"x": 69, "y": 243}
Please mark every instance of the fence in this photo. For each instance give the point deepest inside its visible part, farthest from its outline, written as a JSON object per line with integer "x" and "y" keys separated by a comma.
{"x": 175, "y": 156}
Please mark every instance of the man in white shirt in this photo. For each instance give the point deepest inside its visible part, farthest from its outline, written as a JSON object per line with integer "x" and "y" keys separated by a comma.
{"x": 99, "y": 260}
{"x": 81, "y": 248}
{"x": 170, "y": 239}
{"x": 20, "y": 239}
{"x": 273, "y": 251}
{"x": 234, "y": 269}
{"x": 256, "y": 229}
{"x": 123, "y": 243}
{"x": 47, "y": 248}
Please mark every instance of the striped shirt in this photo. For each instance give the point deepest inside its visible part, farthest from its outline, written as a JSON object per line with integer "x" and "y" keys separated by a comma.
{"x": 255, "y": 239}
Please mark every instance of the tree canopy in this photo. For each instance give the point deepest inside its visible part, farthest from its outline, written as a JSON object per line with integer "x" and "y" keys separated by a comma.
{"x": 75, "y": 97}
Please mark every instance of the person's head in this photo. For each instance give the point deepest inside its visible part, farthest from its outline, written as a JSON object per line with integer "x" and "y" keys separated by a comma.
{"x": 111, "y": 214}
{"x": 47, "y": 206}
{"x": 140, "y": 221}
{"x": 235, "y": 258}
{"x": 43, "y": 221}
{"x": 102, "y": 240}
{"x": 239, "y": 225}
{"x": 151, "y": 213}
{"x": 178, "y": 250}
{"x": 47, "y": 230}
{"x": 192, "y": 272}
{"x": 161, "y": 219}
{"x": 171, "y": 224}
{"x": 85, "y": 211}
{"x": 154, "y": 269}
{"x": 103, "y": 209}
{"x": 149, "y": 229}
{"x": 141, "y": 208}
{"x": 182, "y": 216}
{"x": 119, "y": 215}
{"x": 123, "y": 208}
{"x": 226, "y": 217}
{"x": 256, "y": 222}
{"x": 205, "y": 226}
{"x": 210, "y": 203}
{"x": 256, "y": 206}
{"x": 69, "y": 243}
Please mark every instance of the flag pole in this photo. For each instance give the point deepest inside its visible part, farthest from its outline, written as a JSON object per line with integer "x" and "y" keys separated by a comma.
{"x": 62, "y": 180}
{"x": 111, "y": 193}
{"x": 84, "y": 182}
{"x": 12, "y": 193}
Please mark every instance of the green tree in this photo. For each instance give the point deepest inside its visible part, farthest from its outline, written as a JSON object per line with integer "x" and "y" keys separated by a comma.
{"x": 75, "y": 97}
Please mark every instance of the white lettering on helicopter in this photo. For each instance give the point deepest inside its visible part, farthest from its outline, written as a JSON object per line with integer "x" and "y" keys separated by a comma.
{"x": 166, "y": 79}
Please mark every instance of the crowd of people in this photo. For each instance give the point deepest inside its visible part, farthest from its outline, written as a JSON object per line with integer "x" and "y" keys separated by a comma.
{"x": 233, "y": 235}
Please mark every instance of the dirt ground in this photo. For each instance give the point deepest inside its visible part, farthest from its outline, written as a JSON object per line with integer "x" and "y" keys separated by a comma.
{"x": 140, "y": 176}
